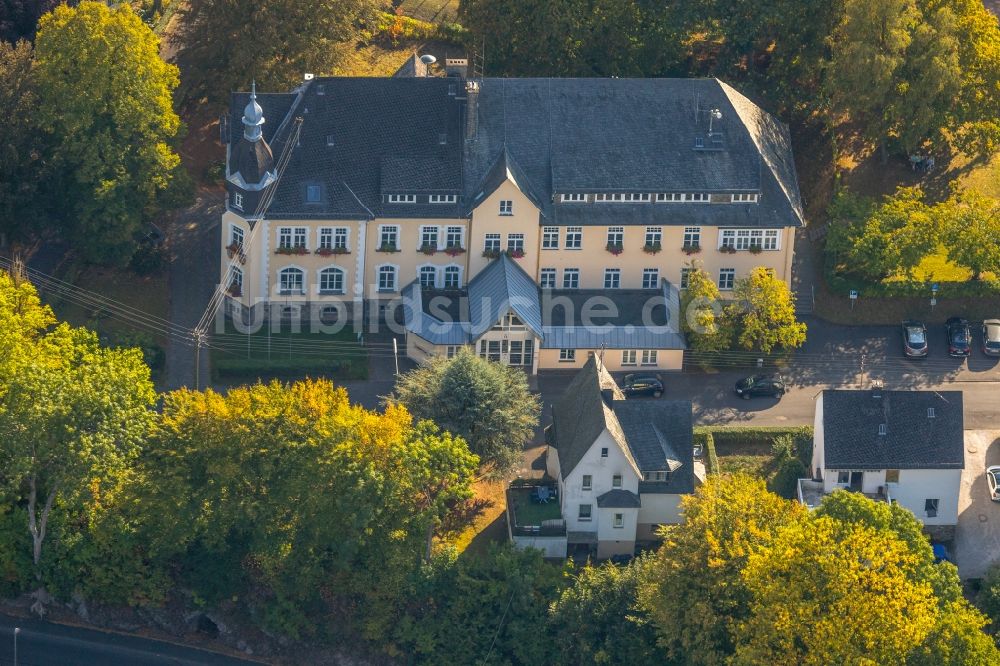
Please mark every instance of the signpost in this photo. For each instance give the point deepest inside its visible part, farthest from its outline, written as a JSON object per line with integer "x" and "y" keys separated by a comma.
{"x": 934, "y": 291}
{"x": 854, "y": 297}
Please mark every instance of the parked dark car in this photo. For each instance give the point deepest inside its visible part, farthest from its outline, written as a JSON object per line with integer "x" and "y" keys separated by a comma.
{"x": 959, "y": 337}
{"x": 758, "y": 385}
{"x": 914, "y": 339}
{"x": 642, "y": 385}
{"x": 991, "y": 337}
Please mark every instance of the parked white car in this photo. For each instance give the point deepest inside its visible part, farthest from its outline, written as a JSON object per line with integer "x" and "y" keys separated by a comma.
{"x": 993, "y": 481}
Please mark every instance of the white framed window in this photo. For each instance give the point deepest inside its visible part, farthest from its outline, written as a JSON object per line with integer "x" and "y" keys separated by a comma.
{"x": 326, "y": 238}
{"x": 429, "y": 237}
{"x": 340, "y": 238}
{"x": 692, "y": 236}
{"x": 237, "y": 200}
{"x": 612, "y": 278}
{"x": 744, "y": 198}
{"x": 442, "y": 198}
{"x": 931, "y": 507}
{"x": 452, "y": 277}
{"x": 604, "y": 452}
{"x": 491, "y": 243}
{"x": 331, "y": 281}
{"x": 654, "y": 235}
{"x": 291, "y": 281}
{"x": 616, "y": 481}
{"x": 550, "y": 238}
{"x": 648, "y": 357}
{"x": 744, "y": 239}
{"x": 515, "y": 242}
{"x": 843, "y": 478}
{"x": 622, "y": 197}
{"x": 387, "y": 278}
{"x": 650, "y": 278}
{"x": 616, "y": 236}
{"x": 402, "y": 198}
{"x": 388, "y": 235}
{"x": 588, "y": 482}
{"x": 506, "y": 207}
{"x": 727, "y": 278}
{"x": 628, "y": 357}
{"x": 451, "y": 350}
{"x": 668, "y": 197}
{"x": 333, "y": 237}
{"x": 236, "y": 283}
{"x": 236, "y": 236}
{"x": 521, "y": 352}
{"x": 313, "y": 193}
{"x": 574, "y": 238}
{"x": 585, "y": 512}
{"x": 567, "y": 355}
{"x": 572, "y": 198}
{"x": 427, "y": 276}
{"x": 697, "y": 197}
{"x": 292, "y": 237}
{"x": 547, "y": 278}
{"x": 454, "y": 237}
{"x": 619, "y": 520}
{"x": 571, "y": 278}
{"x": 490, "y": 350}
{"x": 771, "y": 237}
{"x": 685, "y": 277}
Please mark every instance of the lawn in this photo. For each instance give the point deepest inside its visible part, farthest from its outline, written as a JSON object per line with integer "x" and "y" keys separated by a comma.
{"x": 440, "y": 11}
{"x": 478, "y": 521}
{"x": 527, "y": 513}
{"x": 286, "y": 355}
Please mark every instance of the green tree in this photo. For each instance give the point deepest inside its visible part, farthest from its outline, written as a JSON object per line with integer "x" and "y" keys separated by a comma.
{"x": 765, "y": 313}
{"x": 72, "y": 416}
{"x": 222, "y": 44}
{"x": 294, "y": 491}
{"x": 703, "y": 317}
{"x": 105, "y": 99}
{"x": 693, "y": 589}
{"x": 597, "y": 620}
{"x": 971, "y": 223}
{"x": 487, "y": 404}
{"x": 988, "y": 598}
{"x": 22, "y": 165}
{"x": 826, "y": 592}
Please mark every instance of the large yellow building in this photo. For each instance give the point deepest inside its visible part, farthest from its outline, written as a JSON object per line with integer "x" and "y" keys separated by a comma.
{"x": 348, "y": 194}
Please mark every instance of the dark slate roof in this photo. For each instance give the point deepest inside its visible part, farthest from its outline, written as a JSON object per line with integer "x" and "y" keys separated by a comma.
{"x": 851, "y": 437}
{"x": 659, "y": 433}
{"x": 581, "y": 415}
{"x": 619, "y": 499}
{"x": 252, "y": 160}
{"x": 549, "y": 135}
{"x": 376, "y": 124}
{"x": 655, "y": 435}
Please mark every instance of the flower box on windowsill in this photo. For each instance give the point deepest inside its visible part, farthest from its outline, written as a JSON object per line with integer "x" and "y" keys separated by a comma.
{"x": 755, "y": 249}
{"x": 387, "y": 248}
{"x": 491, "y": 254}
{"x": 727, "y": 249}
{"x": 652, "y": 248}
{"x": 614, "y": 248}
{"x": 428, "y": 249}
{"x": 292, "y": 250}
{"x": 454, "y": 250}
{"x": 329, "y": 251}
{"x": 693, "y": 248}
{"x": 515, "y": 254}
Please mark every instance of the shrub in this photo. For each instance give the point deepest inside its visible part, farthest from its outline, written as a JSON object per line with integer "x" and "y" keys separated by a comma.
{"x": 785, "y": 481}
{"x": 988, "y": 598}
{"x": 711, "y": 458}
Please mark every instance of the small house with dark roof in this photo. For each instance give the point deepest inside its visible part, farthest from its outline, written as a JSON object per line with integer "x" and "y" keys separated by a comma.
{"x": 622, "y": 466}
{"x": 344, "y": 190}
{"x": 905, "y": 447}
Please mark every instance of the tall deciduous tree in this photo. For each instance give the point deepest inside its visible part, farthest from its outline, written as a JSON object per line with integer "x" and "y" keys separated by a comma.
{"x": 105, "y": 98}
{"x": 19, "y": 18}
{"x": 765, "y": 312}
{"x": 224, "y": 43}
{"x": 971, "y": 223}
{"x": 694, "y": 592}
{"x": 72, "y": 414}
{"x": 487, "y": 404}
{"x": 702, "y": 314}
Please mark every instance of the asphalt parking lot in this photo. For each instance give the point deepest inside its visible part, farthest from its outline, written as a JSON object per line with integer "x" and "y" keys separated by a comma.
{"x": 977, "y": 537}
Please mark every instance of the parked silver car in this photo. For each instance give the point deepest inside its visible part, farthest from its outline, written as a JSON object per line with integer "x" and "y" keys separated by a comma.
{"x": 991, "y": 337}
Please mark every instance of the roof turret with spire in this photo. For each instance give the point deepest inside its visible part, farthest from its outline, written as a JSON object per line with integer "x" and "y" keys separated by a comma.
{"x": 251, "y": 161}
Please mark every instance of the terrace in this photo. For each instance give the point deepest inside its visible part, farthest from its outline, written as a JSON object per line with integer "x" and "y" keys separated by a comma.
{"x": 811, "y": 493}
{"x": 529, "y": 517}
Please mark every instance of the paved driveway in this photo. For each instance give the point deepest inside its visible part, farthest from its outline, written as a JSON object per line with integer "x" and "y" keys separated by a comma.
{"x": 977, "y": 538}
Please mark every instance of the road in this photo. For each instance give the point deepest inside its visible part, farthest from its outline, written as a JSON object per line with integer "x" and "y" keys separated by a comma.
{"x": 45, "y": 644}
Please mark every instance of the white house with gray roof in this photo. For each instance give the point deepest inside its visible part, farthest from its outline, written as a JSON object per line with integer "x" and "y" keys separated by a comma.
{"x": 905, "y": 447}
{"x": 622, "y": 466}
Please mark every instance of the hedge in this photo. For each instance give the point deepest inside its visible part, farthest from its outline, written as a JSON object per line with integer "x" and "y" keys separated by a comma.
{"x": 707, "y": 442}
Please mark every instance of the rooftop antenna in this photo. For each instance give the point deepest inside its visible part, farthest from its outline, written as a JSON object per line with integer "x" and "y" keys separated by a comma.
{"x": 714, "y": 114}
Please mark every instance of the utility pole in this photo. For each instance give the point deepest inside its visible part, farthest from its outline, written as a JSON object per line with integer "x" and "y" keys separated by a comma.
{"x": 17, "y": 630}
{"x": 199, "y": 340}
{"x": 861, "y": 379}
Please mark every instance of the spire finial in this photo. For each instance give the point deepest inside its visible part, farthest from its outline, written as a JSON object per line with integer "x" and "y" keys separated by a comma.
{"x": 253, "y": 115}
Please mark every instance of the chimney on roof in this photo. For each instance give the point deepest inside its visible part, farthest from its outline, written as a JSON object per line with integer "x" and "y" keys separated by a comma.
{"x": 456, "y": 67}
{"x": 471, "y": 109}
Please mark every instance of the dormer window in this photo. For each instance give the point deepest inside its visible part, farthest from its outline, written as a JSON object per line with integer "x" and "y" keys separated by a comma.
{"x": 403, "y": 198}
{"x": 882, "y": 429}
{"x": 744, "y": 198}
{"x": 313, "y": 193}
{"x": 237, "y": 201}
{"x": 573, "y": 198}
{"x": 330, "y": 140}
{"x": 443, "y": 198}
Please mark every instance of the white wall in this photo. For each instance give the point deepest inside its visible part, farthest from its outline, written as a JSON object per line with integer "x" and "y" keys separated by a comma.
{"x": 660, "y": 508}
{"x": 552, "y": 547}
{"x": 818, "y": 456}
{"x": 917, "y": 485}
{"x": 602, "y": 470}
